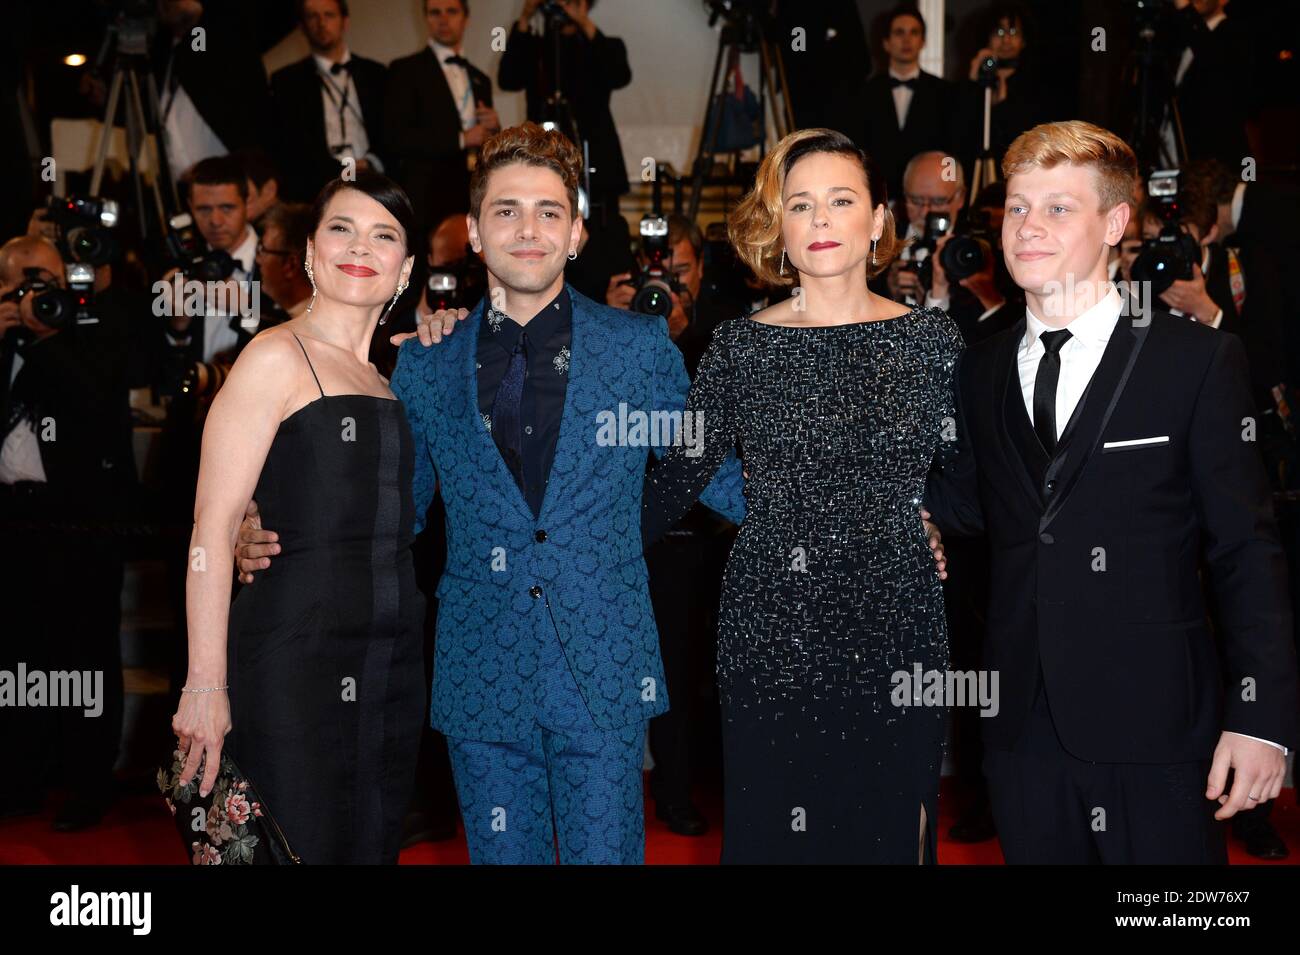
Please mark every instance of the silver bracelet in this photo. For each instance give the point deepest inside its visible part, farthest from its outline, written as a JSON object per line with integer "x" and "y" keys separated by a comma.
{"x": 204, "y": 689}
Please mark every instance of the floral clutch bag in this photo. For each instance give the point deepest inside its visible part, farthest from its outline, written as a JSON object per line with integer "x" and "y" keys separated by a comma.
{"x": 231, "y": 826}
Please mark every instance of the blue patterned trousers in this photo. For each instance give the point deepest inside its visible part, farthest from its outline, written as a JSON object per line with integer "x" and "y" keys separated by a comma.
{"x": 568, "y": 778}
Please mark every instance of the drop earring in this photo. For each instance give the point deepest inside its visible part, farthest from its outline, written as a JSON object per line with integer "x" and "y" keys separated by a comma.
{"x": 873, "y": 253}
{"x": 782, "y": 262}
{"x": 311, "y": 277}
{"x": 396, "y": 295}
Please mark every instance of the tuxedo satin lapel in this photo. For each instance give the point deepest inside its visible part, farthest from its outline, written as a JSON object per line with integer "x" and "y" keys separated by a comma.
{"x": 578, "y": 423}
{"x": 1006, "y": 378}
{"x": 471, "y": 418}
{"x": 1079, "y": 440}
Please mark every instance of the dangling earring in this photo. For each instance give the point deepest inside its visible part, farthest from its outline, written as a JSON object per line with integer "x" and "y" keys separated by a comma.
{"x": 573, "y": 254}
{"x": 396, "y": 295}
{"x": 873, "y": 253}
{"x": 312, "y": 279}
{"x": 782, "y": 262}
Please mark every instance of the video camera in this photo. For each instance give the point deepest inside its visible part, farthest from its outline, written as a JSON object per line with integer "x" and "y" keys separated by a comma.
{"x": 1171, "y": 255}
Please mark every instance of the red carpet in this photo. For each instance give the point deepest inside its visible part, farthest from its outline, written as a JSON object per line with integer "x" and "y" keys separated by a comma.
{"x": 139, "y": 831}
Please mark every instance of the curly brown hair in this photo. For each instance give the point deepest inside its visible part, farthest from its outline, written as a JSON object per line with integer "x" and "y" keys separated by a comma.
{"x": 530, "y": 144}
{"x": 754, "y": 226}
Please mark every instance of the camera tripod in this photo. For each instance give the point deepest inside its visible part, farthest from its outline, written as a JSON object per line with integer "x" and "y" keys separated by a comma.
{"x": 746, "y": 35}
{"x": 1144, "y": 67}
{"x": 127, "y": 41}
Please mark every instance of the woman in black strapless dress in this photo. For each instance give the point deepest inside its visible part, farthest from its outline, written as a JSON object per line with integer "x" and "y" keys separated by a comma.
{"x": 319, "y": 674}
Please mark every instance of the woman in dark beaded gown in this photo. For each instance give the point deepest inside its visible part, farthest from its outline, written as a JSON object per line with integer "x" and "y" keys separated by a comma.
{"x": 836, "y": 399}
{"x": 316, "y": 670}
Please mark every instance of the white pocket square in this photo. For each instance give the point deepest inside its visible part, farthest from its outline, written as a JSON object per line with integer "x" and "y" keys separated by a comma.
{"x": 1135, "y": 443}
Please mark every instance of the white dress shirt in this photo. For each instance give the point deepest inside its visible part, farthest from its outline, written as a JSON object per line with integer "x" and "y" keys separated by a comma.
{"x": 217, "y": 333}
{"x": 462, "y": 93}
{"x": 344, "y": 125}
{"x": 902, "y": 94}
{"x": 1080, "y": 355}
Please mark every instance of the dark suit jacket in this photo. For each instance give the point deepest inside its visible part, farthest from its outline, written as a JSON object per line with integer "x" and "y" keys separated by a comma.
{"x": 1094, "y": 554}
{"x": 67, "y": 385}
{"x": 422, "y": 131}
{"x": 871, "y": 121}
{"x": 590, "y": 71}
{"x": 1217, "y": 89}
{"x": 226, "y": 80}
{"x": 302, "y": 150}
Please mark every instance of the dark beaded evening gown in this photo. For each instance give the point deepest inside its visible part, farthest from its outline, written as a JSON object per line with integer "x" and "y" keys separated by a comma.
{"x": 325, "y": 653}
{"x": 830, "y": 587}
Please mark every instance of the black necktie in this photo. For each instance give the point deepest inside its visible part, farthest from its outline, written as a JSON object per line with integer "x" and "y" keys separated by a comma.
{"x": 505, "y": 410}
{"x": 338, "y": 68}
{"x": 895, "y": 82}
{"x": 455, "y": 60}
{"x": 1049, "y": 371}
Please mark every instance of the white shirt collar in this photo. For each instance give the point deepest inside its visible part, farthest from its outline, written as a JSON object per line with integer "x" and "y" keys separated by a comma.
{"x": 1238, "y": 198}
{"x": 324, "y": 63}
{"x": 245, "y": 254}
{"x": 442, "y": 52}
{"x": 1092, "y": 328}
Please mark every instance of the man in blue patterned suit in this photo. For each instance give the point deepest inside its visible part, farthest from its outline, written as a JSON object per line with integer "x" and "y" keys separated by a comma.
{"x": 547, "y": 668}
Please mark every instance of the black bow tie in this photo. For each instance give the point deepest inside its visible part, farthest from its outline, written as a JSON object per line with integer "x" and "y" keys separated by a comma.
{"x": 895, "y": 82}
{"x": 338, "y": 68}
{"x": 455, "y": 60}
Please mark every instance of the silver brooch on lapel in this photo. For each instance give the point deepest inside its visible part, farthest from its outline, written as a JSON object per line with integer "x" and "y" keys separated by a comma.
{"x": 494, "y": 319}
{"x": 487, "y": 421}
{"x": 561, "y": 360}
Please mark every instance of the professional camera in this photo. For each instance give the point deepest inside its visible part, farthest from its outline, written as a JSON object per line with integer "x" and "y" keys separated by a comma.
{"x": 654, "y": 281}
{"x": 937, "y": 225}
{"x": 989, "y": 66}
{"x": 56, "y": 307}
{"x": 1171, "y": 255}
{"x": 457, "y": 284}
{"x": 85, "y": 228}
{"x": 186, "y": 248}
{"x": 970, "y": 249}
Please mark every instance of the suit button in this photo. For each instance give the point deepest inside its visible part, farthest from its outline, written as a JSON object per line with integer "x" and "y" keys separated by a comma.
{"x": 535, "y": 591}
{"x": 1047, "y": 538}
{"x": 540, "y": 537}
{"x": 1051, "y": 486}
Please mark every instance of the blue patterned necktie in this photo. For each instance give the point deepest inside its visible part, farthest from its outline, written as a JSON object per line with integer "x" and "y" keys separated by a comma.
{"x": 505, "y": 410}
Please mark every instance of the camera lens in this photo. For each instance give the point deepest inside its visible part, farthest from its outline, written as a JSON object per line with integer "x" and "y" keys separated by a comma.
{"x": 653, "y": 298}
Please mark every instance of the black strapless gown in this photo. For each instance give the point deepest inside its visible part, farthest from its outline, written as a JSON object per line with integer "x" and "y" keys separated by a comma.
{"x": 327, "y": 688}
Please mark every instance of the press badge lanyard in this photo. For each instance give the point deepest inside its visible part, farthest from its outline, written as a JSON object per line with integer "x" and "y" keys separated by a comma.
{"x": 340, "y": 99}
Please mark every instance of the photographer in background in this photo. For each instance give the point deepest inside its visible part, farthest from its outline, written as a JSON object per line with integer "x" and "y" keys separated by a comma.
{"x": 1207, "y": 295}
{"x": 281, "y": 254}
{"x": 591, "y": 66}
{"x": 975, "y": 295}
{"x": 65, "y": 467}
{"x": 263, "y": 183}
{"x": 1019, "y": 100}
{"x": 933, "y": 184}
{"x": 685, "y": 566}
{"x": 218, "y": 201}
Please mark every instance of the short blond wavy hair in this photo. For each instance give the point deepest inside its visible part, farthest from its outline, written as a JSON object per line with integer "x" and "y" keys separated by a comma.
{"x": 754, "y": 226}
{"x": 1080, "y": 144}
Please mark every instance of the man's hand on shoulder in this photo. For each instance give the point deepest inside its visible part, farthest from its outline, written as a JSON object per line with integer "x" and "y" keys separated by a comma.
{"x": 431, "y": 326}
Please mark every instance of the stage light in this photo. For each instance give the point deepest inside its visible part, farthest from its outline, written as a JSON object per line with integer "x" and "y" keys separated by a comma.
{"x": 74, "y": 59}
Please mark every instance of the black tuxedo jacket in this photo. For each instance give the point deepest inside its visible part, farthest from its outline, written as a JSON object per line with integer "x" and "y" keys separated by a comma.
{"x": 302, "y": 150}
{"x": 1094, "y": 554}
{"x": 422, "y": 133}
{"x": 871, "y": 121}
